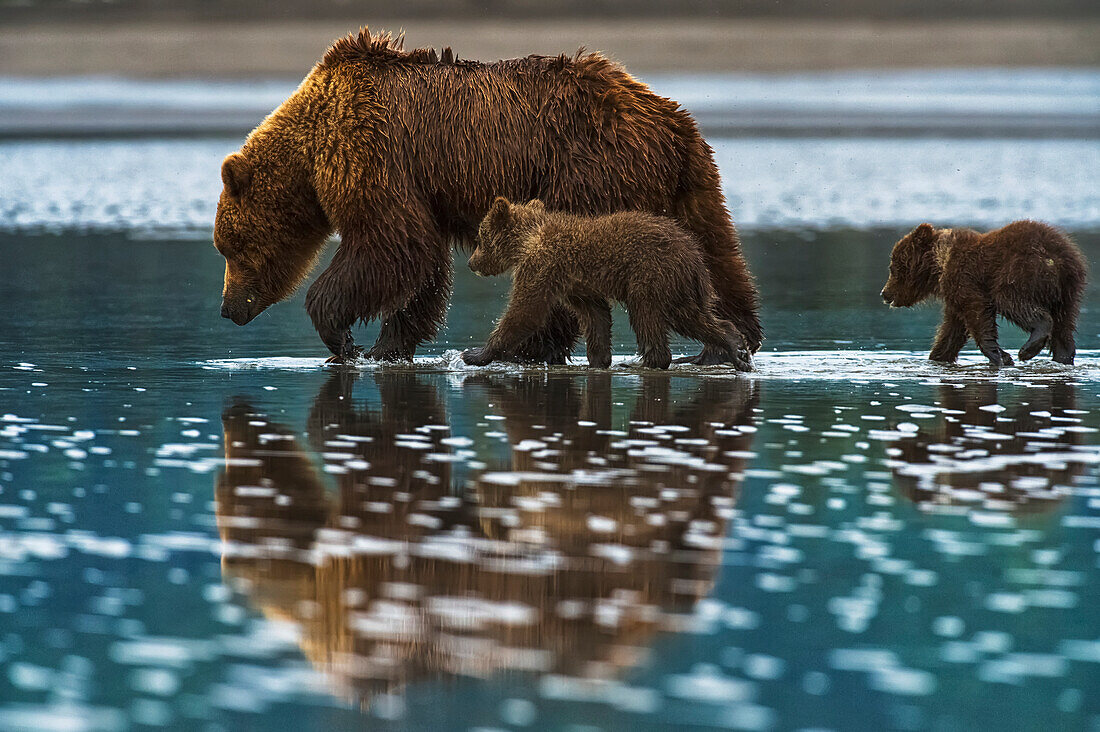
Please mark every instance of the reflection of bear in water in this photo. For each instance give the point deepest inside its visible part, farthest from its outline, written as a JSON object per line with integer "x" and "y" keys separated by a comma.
{"x": 972, "y": 456}
{"x": 564, "y": 556}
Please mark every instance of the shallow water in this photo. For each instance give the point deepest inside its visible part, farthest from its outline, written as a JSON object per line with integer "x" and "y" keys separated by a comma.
{"x": 203, "y": 527}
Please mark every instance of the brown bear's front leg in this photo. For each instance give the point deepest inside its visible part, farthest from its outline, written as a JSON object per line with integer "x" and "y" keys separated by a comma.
{"x": 333, "y": 324}
{"x": 950, "y": 338}
{"x": 329, "y": 304}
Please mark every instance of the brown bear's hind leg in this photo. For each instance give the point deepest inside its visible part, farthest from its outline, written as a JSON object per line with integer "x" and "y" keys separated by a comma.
{"x": 1040, "y": 334}
{"x": 737, "y": 299}
{"x": 722, "y": 343}
{"x": 950, "y": 338}
{"x": 594, "y": 315}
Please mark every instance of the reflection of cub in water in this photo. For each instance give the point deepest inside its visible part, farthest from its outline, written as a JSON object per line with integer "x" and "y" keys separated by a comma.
{"x": 978, "y": 454}
{"x": 580, "y": 539}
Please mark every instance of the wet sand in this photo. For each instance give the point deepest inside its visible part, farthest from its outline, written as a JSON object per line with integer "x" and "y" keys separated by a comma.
{"x": 279, "y": 49}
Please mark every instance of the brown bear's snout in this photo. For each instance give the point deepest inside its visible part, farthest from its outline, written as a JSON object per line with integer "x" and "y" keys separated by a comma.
{"x": 241, "y": 313}
{"x": 887, "y": 297}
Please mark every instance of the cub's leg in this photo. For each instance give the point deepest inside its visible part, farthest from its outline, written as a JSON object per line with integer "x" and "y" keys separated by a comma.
{"x": 551, "y": 343}
{"x": 1063, "y": 345}
{"x": 1040, "y": 334}
{"x": 594, "y": 315}
{"x": 651, "y": 329}
{"x": 950, "y": 338}
{"x": 526, "y": 312}
{"x": 981, "y": 321}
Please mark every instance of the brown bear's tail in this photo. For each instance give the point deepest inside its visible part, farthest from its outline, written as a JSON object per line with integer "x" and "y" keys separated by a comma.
{"x": 701, "y": 208}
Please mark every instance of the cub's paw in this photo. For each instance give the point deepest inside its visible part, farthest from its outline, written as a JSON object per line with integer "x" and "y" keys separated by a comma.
{"x": 477, "y": 356}
{"x": 1032, "y": 349}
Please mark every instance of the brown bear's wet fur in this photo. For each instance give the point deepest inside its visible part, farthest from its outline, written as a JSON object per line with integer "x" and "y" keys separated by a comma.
{"x": 1028, "y": 272}
{"x": 402, "y": 154}
{"x": 648, "y": 263}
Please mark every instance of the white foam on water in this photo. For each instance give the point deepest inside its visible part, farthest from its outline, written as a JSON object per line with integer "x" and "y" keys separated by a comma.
{"x": 871, "y": 366}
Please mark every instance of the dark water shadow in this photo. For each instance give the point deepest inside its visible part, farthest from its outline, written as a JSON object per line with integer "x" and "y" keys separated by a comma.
{"x": 564, "y": 554}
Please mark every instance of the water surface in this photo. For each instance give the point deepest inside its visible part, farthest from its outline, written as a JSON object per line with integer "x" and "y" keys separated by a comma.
{"x": 203, "y": 528}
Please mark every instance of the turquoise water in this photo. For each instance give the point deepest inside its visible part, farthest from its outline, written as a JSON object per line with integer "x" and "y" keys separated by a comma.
{"x": 203, "y": 528}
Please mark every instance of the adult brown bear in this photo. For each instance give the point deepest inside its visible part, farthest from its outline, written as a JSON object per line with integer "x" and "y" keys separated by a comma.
{"x": 402, "y": 153}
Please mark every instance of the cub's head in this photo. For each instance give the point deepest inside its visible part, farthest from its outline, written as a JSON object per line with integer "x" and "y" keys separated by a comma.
{"x": 914, "y": 273}
{"x": 501, "y": 232}
{"x": 270, "y": 228}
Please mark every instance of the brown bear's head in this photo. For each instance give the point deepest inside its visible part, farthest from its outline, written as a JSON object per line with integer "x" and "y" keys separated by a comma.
{"x": 270, "y": 229}
{"x": 501, "y": 233}
{"x": 914, "y": 272}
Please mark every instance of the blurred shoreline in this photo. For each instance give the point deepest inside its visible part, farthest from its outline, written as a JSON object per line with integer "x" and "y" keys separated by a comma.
{"x": 1031, "y": 103}
{"x": 237, "y": 49}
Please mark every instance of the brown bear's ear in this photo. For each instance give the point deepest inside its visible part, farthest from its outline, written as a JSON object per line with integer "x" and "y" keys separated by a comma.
{"x": 537, "y": 204}
{"x": 236, "y": 174}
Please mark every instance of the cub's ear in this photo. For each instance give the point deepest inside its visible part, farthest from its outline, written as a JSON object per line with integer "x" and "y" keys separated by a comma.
{"x": 236, "y": 174}
{"x": 537, "y": 205}
{"x": 500, "y": 210}
{"x": 924, "y": 232}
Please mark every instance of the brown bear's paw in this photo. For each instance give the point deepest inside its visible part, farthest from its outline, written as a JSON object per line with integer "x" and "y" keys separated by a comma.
{"x": 599, "y": 360}
{"x": 388, "y": 353}
{"x": 350, "y": 354}
{"x": 477, "y": 356}
{"x": 738, "y": 357}
{"x": 657, "y": 358}
{"x": 1006, "y": 359}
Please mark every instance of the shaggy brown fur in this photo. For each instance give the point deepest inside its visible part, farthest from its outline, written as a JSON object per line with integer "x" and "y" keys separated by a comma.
{"x": 648, "y": 263}
{"x": 402, "y": 154}
{"x": 1029, "y": 272}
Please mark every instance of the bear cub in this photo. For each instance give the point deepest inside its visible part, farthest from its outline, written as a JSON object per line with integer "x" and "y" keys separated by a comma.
{"x": 648, "y": 263}
{"x": 1028, "y": 272}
